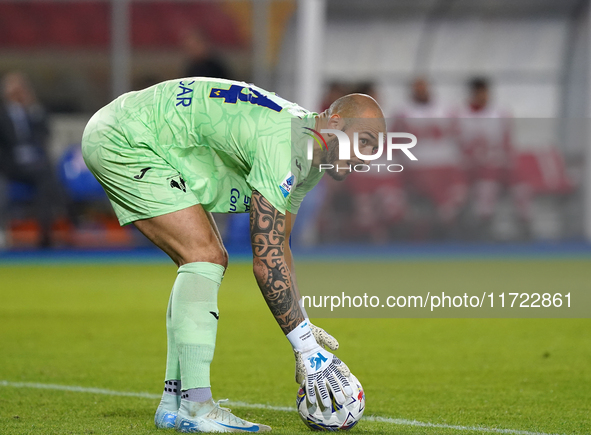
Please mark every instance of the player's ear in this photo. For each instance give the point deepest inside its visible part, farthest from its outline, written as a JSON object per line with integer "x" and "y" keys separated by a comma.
{"x": 336, "y": 122}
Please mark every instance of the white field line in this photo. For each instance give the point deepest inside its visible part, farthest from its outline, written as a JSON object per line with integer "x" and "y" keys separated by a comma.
{"x": 397, "y": 421}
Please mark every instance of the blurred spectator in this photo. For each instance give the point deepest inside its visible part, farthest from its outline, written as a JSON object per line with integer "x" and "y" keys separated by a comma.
{"x": 369, "y": 205}
{"x": 437, "y": 175}
{"x": 368, "y": 88}
{"x": 378, "y": 205}
{"x": 484, "y": 133}
{"x": 378, "y": 197}
{"x": 335, "y": 91}
{"x": 146, "y": 80}
{"x": 23, "y": 154}
{"x": 201, "y": 61}
{"x": 312, "y": 224}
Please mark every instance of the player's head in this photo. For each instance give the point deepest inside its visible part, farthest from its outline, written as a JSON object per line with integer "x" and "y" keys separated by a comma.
{"x": 420, "y": 90}
{"x": 16, "y": 89}
{"x": 353, "y": 113}
{"x": 195, "y": 43}
{"x": 478, "y": 88}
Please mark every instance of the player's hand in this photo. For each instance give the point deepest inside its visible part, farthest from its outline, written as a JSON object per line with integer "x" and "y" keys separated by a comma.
{"x": 325, "y": 340}
{"x": 324, "y": 372}
{"x": 318, "y": 370}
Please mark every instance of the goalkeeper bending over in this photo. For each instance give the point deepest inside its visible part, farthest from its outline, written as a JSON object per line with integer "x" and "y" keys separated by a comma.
{"x": 171, "y": 154}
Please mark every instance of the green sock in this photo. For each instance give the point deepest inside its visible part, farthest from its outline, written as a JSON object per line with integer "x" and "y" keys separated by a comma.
{"x": 193, "y": 321}
{"x": 173, "y": 369}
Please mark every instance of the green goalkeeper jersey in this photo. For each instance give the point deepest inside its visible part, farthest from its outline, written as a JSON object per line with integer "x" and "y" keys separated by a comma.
{"x": 226, "y": 139}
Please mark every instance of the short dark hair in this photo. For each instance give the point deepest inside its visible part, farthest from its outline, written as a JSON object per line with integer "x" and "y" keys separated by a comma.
{"x": 478, "y": 83}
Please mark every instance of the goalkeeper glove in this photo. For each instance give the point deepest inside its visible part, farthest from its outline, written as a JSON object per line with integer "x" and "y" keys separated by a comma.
{"x": 316, "y": 368}
{"x": 325, "y": 340}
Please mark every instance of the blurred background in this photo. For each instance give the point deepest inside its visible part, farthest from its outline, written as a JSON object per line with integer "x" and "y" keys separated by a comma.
{"x": 496, "y": 92}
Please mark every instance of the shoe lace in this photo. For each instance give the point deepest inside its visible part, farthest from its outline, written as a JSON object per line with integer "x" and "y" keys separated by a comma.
{"x": 225, "y": 414}
{"x": 219, "y": 402}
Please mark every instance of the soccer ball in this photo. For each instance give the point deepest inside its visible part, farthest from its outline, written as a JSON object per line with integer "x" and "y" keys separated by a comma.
{"x": 336, "y": 417}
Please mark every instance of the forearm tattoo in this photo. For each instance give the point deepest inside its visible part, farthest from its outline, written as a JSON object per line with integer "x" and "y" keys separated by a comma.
{"x": 267, "y": 234}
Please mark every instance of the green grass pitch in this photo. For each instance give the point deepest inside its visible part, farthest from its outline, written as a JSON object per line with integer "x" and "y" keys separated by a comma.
{"x": 102, "y": 326}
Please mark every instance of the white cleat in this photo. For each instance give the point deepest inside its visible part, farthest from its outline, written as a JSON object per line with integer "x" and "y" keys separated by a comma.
{"x": 165, "y": 417}
{"x": 197, "y": 417}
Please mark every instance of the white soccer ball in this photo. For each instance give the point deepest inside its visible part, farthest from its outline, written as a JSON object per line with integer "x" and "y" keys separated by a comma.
{"x": 336, "y": 417}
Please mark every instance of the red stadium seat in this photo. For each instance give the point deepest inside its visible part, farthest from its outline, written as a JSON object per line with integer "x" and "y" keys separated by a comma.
{"x": 87, "y": 24}
{"x": 544, "y": 172}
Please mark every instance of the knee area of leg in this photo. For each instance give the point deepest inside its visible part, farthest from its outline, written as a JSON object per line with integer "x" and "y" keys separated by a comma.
{"x": 217, "y": 256}
{"x": 225, "y": 258}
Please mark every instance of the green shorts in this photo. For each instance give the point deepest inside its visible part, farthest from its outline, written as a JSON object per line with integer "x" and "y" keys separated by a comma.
{"x": 139, "y": 183}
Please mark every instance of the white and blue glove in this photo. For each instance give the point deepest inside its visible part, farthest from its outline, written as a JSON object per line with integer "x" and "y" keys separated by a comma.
{"x": 317, "y": 369}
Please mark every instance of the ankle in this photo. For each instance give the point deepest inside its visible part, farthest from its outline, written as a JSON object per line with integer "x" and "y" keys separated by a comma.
{"x": 171, "y": 397}
{"x": 197, "y": 394}
{"x": 172, "y": 387}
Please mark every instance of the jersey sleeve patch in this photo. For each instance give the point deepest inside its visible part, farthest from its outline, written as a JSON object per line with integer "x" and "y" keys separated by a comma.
{"x": 287, "y": 184}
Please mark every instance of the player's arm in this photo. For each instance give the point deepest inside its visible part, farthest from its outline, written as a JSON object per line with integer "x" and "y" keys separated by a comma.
{"x": 290, "y": 221}
{"x": 323, "y": 338}
{"x": 270, "y": 266}
{"x": 271, "y": 270}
